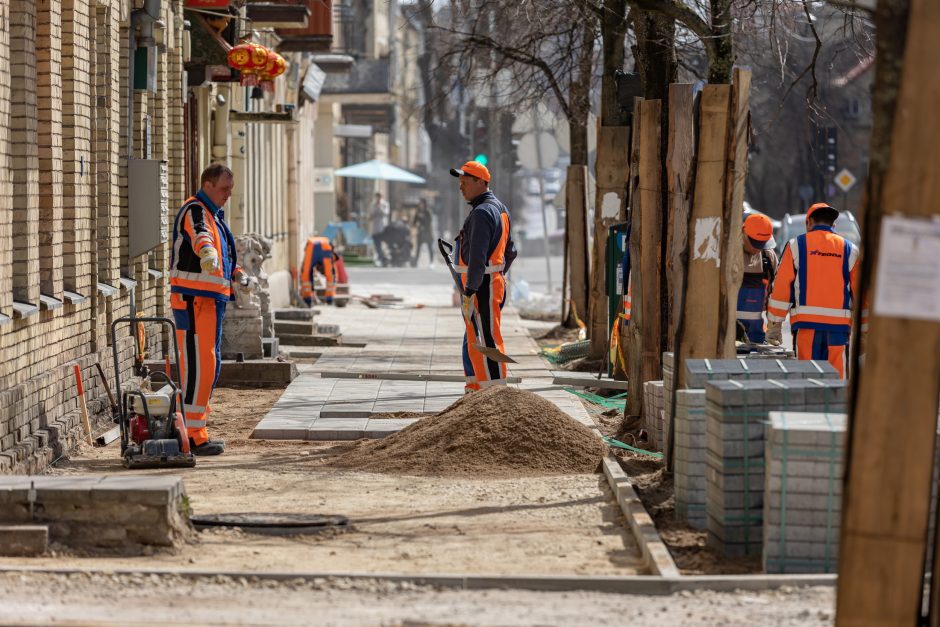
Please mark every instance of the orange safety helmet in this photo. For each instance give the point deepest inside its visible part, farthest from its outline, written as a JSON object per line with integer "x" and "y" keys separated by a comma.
{"x": 821, "y": 206}
{"x": 760, "y": 231}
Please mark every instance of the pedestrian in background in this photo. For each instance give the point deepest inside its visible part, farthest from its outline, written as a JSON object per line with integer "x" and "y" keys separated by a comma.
{"x": 816, "y": 283}
{"x": 424, "y": 232}
{"x": 203, "y": 265}
{"x": 379, "y": 216}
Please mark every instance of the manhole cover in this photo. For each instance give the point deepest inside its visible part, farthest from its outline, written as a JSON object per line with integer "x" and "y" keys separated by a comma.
{"x": 273, "y": 524}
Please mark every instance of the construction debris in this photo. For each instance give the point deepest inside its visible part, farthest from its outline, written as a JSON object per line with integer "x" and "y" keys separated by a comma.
{"x": 498, "y": 431}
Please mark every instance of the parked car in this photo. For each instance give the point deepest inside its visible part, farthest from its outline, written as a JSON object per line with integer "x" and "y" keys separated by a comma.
{"x": 794, "y": 225}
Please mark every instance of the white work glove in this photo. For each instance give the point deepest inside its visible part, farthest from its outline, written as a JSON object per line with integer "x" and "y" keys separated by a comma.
{"x": 466, "y": 305}
{"x": 775, "y": 333}
{"x": 209, "y": 259}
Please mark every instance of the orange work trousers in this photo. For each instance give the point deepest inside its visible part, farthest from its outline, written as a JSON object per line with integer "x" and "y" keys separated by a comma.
{"x": 823, "y": 345}
{"x": 199, "y": 334}
{"x": 484, "y": 329}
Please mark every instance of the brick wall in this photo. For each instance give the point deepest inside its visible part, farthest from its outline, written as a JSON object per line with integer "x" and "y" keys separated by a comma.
{"x": 64, "y": 213}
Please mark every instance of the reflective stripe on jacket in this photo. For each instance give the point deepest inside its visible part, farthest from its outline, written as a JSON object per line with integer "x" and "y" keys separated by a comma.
{"x": 816, "y": 281}
{"x": 318, "y": 252}
{"x": 484, "y": 245}
{"x": 199, "y": 224}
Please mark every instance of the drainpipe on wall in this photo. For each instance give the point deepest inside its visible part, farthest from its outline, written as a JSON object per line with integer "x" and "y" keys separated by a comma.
{"x": 293, "y": 208}
{"x": 220, "y": 125}
{"x": 144, "y": 19}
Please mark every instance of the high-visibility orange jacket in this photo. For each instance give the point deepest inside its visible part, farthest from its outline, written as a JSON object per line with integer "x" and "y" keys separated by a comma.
{"x": 198, "y": 224}
{"x": 816, "y": 281}
{"x": 318, "y": 252}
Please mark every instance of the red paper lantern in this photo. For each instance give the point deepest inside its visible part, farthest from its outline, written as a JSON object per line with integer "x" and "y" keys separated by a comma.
{"x": 250, "y": 59}
{"x": 275, "y": 66}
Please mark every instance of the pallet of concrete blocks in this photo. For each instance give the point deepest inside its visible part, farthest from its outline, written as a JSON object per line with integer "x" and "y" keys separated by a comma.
{"x": 698, "y": 372}
{"x": 652, "y": 412}
{"x": 803, "y": 492}
{"x": 669, "y": 381}
{"x": 689, "y": 457}
{"x": 736, "y": 413}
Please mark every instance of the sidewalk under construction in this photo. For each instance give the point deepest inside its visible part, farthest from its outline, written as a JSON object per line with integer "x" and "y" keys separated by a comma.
{"x": 538, "y": 524}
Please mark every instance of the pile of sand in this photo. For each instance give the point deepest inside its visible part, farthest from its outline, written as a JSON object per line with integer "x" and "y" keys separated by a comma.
{"x": 499, "y": 431}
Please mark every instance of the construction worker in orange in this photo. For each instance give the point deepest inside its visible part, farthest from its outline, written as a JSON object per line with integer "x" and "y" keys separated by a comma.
{"x": 202, "y": 267}
{"x": 318, "y": 256}
{"x": 484, "y": 250}
{"x": 816, "y": 283}
{"x": 760, "y": 266}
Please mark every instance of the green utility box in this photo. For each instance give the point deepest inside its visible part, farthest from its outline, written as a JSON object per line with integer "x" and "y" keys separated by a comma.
{"x": 618, "y": 272}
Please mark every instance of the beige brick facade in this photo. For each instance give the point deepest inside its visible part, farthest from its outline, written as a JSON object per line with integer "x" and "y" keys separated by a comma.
{"x": 63, "y": 208}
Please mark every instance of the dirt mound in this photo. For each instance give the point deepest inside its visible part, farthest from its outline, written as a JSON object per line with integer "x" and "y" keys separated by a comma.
{"x": 499, "y": 431}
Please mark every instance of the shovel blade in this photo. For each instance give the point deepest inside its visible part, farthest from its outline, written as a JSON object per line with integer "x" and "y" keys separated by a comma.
{"x": 493, "y": 354}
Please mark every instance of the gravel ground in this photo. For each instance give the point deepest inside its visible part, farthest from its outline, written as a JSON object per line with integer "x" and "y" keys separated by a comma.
{"x": 33, "y": 598}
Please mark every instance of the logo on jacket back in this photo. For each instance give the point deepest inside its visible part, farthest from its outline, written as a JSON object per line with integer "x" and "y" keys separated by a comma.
{"x": 819, "y": 253}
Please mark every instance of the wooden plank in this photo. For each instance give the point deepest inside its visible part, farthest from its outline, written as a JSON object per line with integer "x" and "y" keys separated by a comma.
{"x": 401, "y": 376}
{"x": 886, "y": 494}
{"x": 576, "y": 228}
{"x": 646, "y": 242}
{"x": 679, "y": 161}
{"x": 586, "y": 380}
{"x": 701, "y": 309}
{"x": 732, "y": 251}
{"x": 612, "y": 169}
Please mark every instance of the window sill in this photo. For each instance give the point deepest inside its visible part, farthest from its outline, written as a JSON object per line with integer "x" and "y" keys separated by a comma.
{"x": 23, "y": 310}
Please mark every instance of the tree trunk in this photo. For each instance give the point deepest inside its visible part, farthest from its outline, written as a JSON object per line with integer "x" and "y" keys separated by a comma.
{"x": 886, "y": 502}
{"x": 611, "y": 169}
{"x": 719, "y": 70}
{"x": 655, "y": 54}
{"x": 575, "y": 200}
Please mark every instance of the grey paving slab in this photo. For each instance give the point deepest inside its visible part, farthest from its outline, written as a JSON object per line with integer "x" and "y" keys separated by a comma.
{"x": 421, "y": 341}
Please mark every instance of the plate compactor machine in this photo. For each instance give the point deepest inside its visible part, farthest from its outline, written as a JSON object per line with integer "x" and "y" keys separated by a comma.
{"x": 153, "y": 430}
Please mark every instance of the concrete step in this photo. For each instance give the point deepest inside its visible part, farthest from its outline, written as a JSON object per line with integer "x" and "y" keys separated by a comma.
{"x": 271, "y": 346}
{"x": 295, "y": 314}
{"x": 292, "y": 327}
{"x": 291, "y": 339}
{"x": 251, "y": 372}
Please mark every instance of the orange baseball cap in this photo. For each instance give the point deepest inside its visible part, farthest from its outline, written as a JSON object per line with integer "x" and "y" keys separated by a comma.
{"x": 472, "y": 168}
{"x": 821, "y": 206}
{"x": 760, "y": 231}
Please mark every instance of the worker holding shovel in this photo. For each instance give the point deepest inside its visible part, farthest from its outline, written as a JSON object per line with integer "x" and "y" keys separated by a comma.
{"x": 482, "y": 255}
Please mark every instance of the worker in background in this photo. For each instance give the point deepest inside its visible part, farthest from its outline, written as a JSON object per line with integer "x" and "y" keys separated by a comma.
{"x": 379, "y": 216}
{"x": 203, "y": 265}
{"x": 483, "y": 252}
{"x": 760, "y": 266}
{"x": 816, "y": 283}
{"x": 424, "y": 232}
{"x": 318, "y": 256}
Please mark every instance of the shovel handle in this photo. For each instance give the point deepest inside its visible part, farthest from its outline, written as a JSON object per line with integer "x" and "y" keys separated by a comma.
{"x": 447, "y": 250}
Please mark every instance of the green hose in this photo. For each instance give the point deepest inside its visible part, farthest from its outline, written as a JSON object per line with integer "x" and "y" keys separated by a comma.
{"x": 617, "y": 443}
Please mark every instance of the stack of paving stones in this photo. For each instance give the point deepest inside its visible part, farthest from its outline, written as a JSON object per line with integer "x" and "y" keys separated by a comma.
{"x": 669, "y": 382}
{"x": 735, "y": 418}
{"x": 653, "y": 412}
{"x": 689, "y": 459}
{"x": 803, "y": 492}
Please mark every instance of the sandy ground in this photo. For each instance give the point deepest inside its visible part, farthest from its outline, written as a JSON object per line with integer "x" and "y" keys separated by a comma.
{"x": 557, "y": 525}
{"x": 30, "y": 599}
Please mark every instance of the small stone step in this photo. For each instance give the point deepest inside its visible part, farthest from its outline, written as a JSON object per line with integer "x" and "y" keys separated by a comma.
{"x": 295, "y": 314}
{"x": 290, "y": 339}
{"x": 23, "y": 540}
{"x": 294, "y": 327}
{"x": 271, "y": 346}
